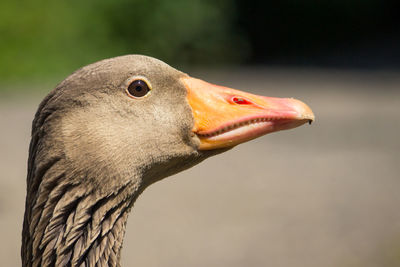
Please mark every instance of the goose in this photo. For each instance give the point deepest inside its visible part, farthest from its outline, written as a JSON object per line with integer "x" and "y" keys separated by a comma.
{"x": 111, "y": 129}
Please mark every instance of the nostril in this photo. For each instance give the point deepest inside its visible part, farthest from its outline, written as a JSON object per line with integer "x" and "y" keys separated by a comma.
{"x": 240, "y": 100}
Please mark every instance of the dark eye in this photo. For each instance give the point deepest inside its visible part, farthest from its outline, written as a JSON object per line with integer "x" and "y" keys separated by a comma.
{"x": 138, "y": 88}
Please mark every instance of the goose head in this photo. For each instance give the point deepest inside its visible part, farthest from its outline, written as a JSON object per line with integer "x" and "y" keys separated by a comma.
{"x": 111, "y": 129}
{"x": 137, "y": 114}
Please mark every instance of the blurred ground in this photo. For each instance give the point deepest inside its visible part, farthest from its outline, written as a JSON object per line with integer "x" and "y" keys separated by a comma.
{"x": 324, "y": 195}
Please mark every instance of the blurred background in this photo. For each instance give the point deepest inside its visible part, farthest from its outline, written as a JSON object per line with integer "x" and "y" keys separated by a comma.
{"x": 325, "y": 195}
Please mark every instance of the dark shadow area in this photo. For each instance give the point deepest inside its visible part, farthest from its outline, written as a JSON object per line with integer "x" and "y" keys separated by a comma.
{"x": 344, "y": 34}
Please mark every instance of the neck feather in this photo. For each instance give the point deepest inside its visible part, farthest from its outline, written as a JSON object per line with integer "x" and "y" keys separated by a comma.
{"x": 70, "y": 224}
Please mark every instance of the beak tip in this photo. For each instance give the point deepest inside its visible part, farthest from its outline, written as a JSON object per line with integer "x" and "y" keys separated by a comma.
{"x": 304, "y": 111}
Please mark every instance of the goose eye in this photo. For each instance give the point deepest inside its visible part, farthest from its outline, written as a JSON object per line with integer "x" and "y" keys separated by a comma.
{"x": 138, "y": 88}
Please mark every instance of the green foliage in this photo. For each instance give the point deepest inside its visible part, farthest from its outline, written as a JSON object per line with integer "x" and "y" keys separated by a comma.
{"x": 46, "y": 38}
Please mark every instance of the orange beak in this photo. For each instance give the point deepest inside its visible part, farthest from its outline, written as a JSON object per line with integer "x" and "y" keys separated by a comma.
{"x": 225, "y": 117}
